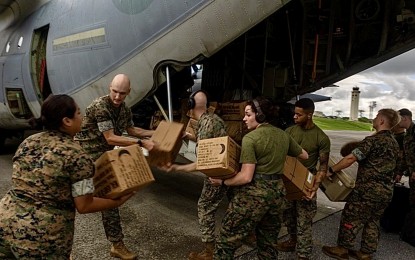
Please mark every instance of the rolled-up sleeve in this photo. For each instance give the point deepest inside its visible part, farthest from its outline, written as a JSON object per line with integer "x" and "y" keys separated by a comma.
{"x": 83, "y": 187}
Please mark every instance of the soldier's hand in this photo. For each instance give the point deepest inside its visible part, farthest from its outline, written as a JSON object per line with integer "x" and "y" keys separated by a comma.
{"x": 169, "y": 167}
{"x": 215, "y": 182}
{"x": 413, "y": 176}
{"x": 313, "y": 192}
{"x": 187, "y": 135}
{"x": 398, "y": 178}
{"x": 123, "y": 199}
{"x": 149, "y": 144}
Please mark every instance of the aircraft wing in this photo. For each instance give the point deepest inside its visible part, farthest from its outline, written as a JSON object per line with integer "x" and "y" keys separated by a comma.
{"x": 12, "y": 11}
{"x": 314, "y": 97}
{"x": 5, "y": 4}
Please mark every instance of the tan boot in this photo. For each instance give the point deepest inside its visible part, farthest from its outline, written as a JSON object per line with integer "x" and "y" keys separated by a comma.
{"x": 337, "y": 252}
{"x": 206, "y": 254}
{"x": 118, "y": 249}
{"x": 360, "y": 255}
{"x": 288, "y": 245}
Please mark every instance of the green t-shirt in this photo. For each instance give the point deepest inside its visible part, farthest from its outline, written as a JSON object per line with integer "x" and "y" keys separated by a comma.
{"x": 267, "y": 147}
{"x": 313, "y": 140}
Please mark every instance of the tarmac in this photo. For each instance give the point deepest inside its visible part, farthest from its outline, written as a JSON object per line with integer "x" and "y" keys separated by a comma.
{"x": 160, "y": 222}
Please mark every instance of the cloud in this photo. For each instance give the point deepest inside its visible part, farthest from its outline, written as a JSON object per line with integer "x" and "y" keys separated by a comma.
{"x": 391, "y": 84}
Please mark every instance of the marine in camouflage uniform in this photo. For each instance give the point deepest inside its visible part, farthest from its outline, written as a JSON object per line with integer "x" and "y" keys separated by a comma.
{"x": 377, "y": 156}
{"x": 209, "y": 126}
{"x": 408, "y": 162}
{"x": 37, "y": 214}
{"x": 259, "y": 192}
{"x": 103, "y": 125}
{"x": 401, "y": 168}
{"x": 101, "y": 116}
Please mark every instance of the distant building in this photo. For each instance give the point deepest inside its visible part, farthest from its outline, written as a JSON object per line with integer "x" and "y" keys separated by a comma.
{"x": 354, "y": 104}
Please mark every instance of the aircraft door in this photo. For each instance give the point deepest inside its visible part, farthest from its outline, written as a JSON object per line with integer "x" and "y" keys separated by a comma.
{"x": 39, "y": 64}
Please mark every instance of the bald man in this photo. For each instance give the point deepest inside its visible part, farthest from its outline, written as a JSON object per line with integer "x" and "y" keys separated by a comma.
{"x": 209, "y": 125}
{"x": 104, "y": 122}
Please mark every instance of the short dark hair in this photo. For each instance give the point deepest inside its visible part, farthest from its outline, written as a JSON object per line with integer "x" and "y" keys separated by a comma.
{"x": 305, "y": 103}
{"x": 405, "y": 112}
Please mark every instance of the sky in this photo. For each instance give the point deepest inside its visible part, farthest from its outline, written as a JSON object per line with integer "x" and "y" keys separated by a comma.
{"x": 391, "y": 84}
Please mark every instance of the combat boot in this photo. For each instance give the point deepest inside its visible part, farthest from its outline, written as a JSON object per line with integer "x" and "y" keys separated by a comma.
{"x": 118, "y": 249}
{"x": 337, "y": 252}
{"x": 288, "y": 245}
{"x": 360, "y": 255}
{"x": 206, "y": 254}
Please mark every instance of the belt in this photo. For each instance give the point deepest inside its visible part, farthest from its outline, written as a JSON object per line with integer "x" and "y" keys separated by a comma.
{"x": 267, "y": 177}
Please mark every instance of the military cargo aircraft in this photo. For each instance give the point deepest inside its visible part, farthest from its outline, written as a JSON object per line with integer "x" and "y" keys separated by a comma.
{"x": 278, "y": 48}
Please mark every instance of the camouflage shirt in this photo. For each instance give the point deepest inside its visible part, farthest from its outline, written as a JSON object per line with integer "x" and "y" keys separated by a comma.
{"x": 38, "y": 212}
{"x": 409, "y": 148}
{"x": 99, "y": 117}
{"x": 401, "y": 167}
{"x": 377, "y": 156}
{"x": 210, "y": 126}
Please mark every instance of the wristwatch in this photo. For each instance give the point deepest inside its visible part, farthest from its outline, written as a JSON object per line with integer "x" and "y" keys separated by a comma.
{"x": 140, "y": 143}
{"x": 331, "y": 170}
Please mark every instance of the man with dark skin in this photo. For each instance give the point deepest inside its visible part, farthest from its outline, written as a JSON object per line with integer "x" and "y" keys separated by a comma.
{"x": 299, "y": 214}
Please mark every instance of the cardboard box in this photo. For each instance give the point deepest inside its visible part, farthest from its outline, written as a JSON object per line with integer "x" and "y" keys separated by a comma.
{"x": 120, "y": 171}
{"x": 191, "y": 128}
{"x": 236, "y": 130}
{"x": 218, "y": 157}
{"x": 297, "y": 179}
{"x": 341, "y": 183}
{"x": 233, "y": 110}
{"x": 158, "y": 117}
{"x": 168, "y": 136}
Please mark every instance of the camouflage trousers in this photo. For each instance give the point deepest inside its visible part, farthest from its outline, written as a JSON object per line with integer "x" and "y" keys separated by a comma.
{"x": 207, "y": 206}
{"x": 361, "y": 214}
{"x": 30, "y": 232}
{"x": 112, "y": 225}
{"x": 412, "y": 193}
{"x": 298, "y": 218}
{"x": 255, "y": 206}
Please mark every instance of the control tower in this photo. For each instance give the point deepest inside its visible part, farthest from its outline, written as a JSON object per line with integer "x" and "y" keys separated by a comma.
{"x": 354, "y": 104}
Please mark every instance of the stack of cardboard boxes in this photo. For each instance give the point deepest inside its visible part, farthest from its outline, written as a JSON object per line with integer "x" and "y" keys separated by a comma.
{"x": 233, "y": 113}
